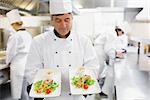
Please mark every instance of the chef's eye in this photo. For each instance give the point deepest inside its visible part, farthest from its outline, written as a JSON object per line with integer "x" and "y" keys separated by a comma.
{"x": 67, "y": 20}
{"x": 57, "y": 20}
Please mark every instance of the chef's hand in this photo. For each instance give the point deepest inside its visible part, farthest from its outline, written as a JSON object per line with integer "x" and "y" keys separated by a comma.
{"x": 87, "y": 95}
{"x": 29, "y": 88}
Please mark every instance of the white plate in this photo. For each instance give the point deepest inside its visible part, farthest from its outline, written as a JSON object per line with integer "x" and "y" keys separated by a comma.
{"x": 42, "y": 74}
{"x": 93, "y": 89}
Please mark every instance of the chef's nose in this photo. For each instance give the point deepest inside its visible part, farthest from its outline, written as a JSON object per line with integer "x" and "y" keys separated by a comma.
{"x": 63, "y": 24}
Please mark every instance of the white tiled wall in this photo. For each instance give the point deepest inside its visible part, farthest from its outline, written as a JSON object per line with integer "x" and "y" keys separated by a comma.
{"x": 95, "y": 22}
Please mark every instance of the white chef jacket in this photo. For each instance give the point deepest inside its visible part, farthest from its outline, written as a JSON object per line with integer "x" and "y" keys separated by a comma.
{"x": 16, "y": 53}
{"x": 121, "y": 42}
{"x": 104, "y": 47}
{"x": 49, "y": 51}
{"x": 18, "y": 43}
{"x": 105, "y": 50}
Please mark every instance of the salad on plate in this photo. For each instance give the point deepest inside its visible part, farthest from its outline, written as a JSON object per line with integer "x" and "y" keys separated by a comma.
{"x": 45, "y": 86}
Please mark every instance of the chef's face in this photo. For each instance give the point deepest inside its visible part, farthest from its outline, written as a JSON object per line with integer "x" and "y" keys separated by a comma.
{"x": 17, "y": 25}
{"x": 120, "y": 33}
{"x": 62, "y": 23}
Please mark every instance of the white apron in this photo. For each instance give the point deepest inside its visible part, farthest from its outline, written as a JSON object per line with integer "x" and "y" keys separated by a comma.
{"x": 108, "y": 87}
{"x": 17, "y": 68}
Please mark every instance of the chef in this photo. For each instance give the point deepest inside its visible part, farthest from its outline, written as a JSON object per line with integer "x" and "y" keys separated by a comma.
{"x": 105, "y": 50}
{"x": 16, "y": 53}
{"x": 122, "y": 39}
{"x": 61, "y": 48}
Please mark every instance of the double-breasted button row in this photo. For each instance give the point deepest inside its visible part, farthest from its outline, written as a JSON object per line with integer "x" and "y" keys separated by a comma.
{"x": 68, "y": 65}
{"x": 55, "y": 39}
{"x": 68, "y": 52}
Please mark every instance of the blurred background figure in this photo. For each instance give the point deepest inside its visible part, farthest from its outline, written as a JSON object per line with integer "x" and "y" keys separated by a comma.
{"x": 121, "y": 37}
{"x": 121, "y": 41}
{"x": 17, "y": 49}
{"x": 104, "y": 47}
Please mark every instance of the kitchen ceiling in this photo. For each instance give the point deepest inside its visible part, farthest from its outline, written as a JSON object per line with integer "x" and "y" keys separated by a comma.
{"x": 29, "y": 6}
{"x": 40, "y": 7}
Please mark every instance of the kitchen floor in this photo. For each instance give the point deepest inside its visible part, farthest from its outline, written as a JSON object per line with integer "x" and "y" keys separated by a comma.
{"x": 131, "y": 82}
{"x": 5, "y": 93}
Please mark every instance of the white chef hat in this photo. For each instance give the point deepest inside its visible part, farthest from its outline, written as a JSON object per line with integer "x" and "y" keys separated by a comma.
{"x": 60, "y": 6}
{"x": 13, "y": 16}
{"x": 124, "y": 26}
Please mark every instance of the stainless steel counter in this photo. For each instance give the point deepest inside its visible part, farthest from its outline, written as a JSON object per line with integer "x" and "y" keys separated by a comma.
{"x": 4, "y": 75}
{"x": 4, "y": 72}
{"x": 144, "y": 62}
{"x": 131, "y": 83}
{"x": 3, "y": 66}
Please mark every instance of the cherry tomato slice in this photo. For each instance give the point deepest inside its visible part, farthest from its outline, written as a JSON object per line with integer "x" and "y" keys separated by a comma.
{"x": 86, "y": 86}
{"x": 48, "y": 91}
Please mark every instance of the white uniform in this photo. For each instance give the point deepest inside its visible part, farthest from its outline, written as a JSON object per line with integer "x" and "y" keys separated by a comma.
{"x": 121, "y": 42}
{"x": 49, "y": 51}
{"x": 105, "y": 51}
{"x": 16, "y": 53}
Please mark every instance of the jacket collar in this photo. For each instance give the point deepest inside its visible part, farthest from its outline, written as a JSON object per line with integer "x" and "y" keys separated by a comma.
{"x": 22, "y": 29}
{"x": 58, "y": 35}
{"x": 69, "y": 38}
